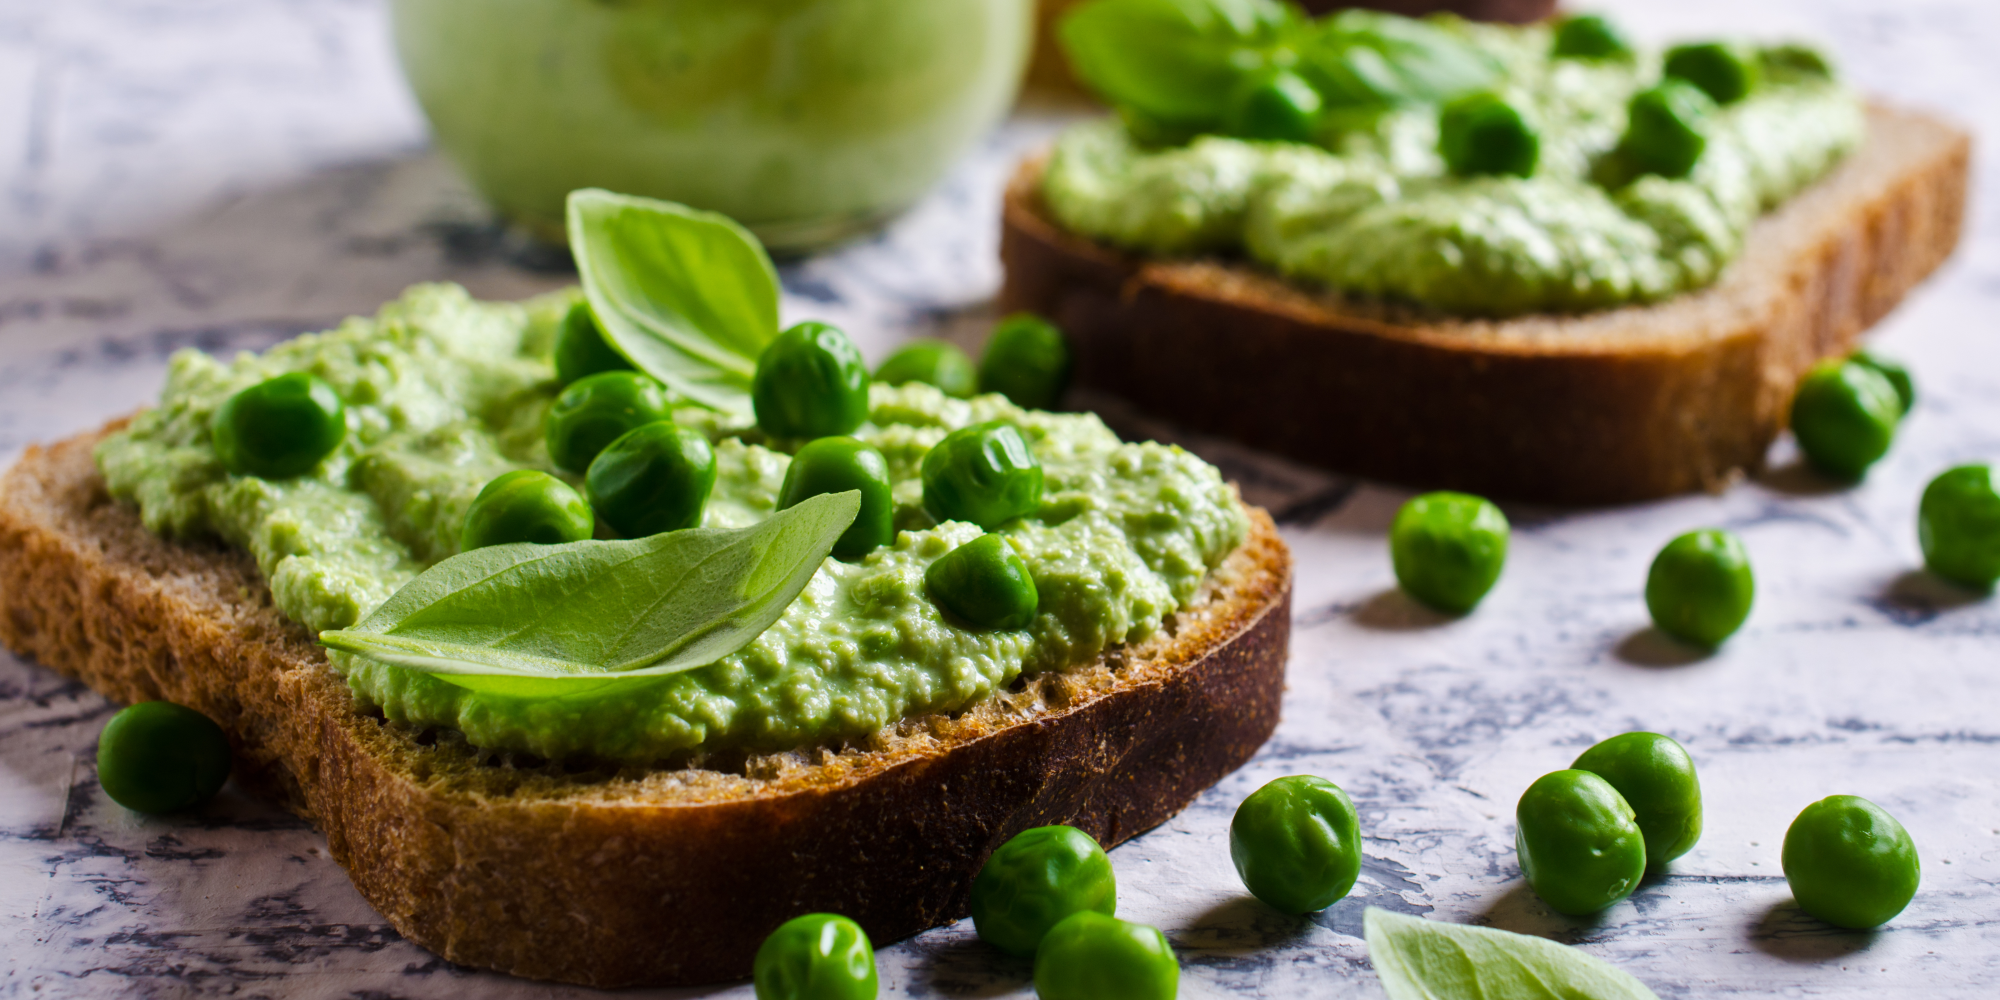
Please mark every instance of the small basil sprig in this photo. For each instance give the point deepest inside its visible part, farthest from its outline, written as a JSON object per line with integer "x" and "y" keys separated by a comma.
{"x": 688, "y": 297}
{"x": 1174, "y": 61}
{"x": 554, "y": 620}
{"x": 1361, "y": 58}
{"x": 1422, "y": 959}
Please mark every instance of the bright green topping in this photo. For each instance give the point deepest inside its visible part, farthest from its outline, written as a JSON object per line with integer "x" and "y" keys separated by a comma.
{"x": 1091, "y": 956}
{"x": 1027, "y": 361}
{"x": 819, "y": 956}
{"x": 279, "y": 427}
{"x": 526, "y": 505}
{"x": 1281, "y": 106}
{"x": 933, "y": 362}
{"x": 1850, "y": 863}
{"x": 984, "y": 583}
{"x": 581, "y": 348}
{"x": 836, "y": 465}
{"x": 1296, "y": 843}
{"x": 1726, "y": 72}
{"x": 810, "y": 383}
{"x": 1578, "y": 842}
{"x": 985, "y": 474}
{"x": 1700, "y": 587}
{"x": 1372, "y": 210}
{"x": 1589, "y": 36}
{"x": 598, "y": 409}
{"x": 1485, "y": 962}
{"x": 1483, "y": 134}
{"x": 1845, "y": 415}
{"x": 444, "y": 393}
{"x": 654, "y": 478}
{"x": 1656, "y": 778}
{"x": 1036, "y": 880}
{"x": 1667, "y": 127}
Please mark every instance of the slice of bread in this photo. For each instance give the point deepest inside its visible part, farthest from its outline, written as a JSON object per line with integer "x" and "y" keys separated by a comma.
{"x": 614, "y": 877}
{"x": 1621, "y": 405}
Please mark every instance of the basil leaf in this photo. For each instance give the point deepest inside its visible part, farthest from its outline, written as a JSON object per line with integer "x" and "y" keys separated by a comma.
{"x": 1176, "y": 61}
{"x": 689, "y": 297}
{"x": 1364, "y": 58}
{"x": 557, "y": 620}
{"x": 1422, "y": 959}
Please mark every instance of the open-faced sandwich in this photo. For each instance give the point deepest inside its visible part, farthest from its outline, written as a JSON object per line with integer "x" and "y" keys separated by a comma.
{"x": 1535, "y": 262}
{"x": 603, "y": 634}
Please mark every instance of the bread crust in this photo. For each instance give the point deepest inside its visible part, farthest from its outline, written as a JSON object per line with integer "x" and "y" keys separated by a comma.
{"x": 612, "y": 876}
{"x": 1621, "y": 405}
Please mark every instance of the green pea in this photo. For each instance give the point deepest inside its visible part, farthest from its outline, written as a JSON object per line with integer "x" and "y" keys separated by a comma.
{"x": 1090, "y": 956}
{"x": 810, "y": 383}
{"x": 1725, "y": 72}
{"x": 1958, "y": 526}
{"x": 1667, "y": 128}
{"x": 1280, "y": 106}
{"x": 581, "y": 348}
{"x": 1035, "y": 881}
{"x": 1844, "y": 416}
{"x": 984, "y": 583}
{"x": 1656, "y": 778}
{"x": 984, "y": 474}
{"x": 652, "y": 479}
{"x": 1448, "y": 549}
{"x": 1795, "y": 61}
{"x": 525, "y": 505}
{"x": 1027, "y": 361}
{"x": 1850, "y": 863}
{"x": 159, "y": 757}
{"x": 836, "y": 465}
{"x": 1894, "y": 371}
{"x": 1590, "y": 36}
{"x": 596, "y": 410}
{"x": 1483, "y": 134}
{"x": 1297, "y": 843}
{"x": 1579, "y": 842}
{"x": 820, "y": 956}
{"x": 280, "y": 427}
{"x": 1700, "y": 587}
{"x": 932, "y": 362}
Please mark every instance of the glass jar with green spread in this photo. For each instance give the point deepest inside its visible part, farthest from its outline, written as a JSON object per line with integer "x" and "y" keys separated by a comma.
{"x": 806, "y": 120}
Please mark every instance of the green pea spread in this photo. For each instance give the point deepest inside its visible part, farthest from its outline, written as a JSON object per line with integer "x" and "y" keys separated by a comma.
{"x": 444, "y": 392}
{"x": 1372, "y": 212}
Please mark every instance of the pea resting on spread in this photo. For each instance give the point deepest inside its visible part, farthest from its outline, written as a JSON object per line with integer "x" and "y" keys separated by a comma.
{"x": 444, "y": 393}
{"x": 1371, "y": 209}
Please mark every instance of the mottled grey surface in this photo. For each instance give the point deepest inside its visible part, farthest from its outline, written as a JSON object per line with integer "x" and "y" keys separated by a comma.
{"x": 222, "y": 173}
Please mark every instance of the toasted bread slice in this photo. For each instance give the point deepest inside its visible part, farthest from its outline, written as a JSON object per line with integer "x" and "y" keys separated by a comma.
{"x": 1625, "y": 404}
{"x": 620, "y": 876}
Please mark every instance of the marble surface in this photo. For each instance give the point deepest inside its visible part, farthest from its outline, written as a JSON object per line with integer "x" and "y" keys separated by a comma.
{"x": 223, "y": 173}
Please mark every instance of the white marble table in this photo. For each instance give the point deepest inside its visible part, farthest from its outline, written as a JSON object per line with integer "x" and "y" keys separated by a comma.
{"x": 226, "y": 172}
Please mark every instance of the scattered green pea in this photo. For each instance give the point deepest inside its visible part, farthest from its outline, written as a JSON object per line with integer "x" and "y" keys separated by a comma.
{"x": 1700, "y": 587}
{"x": 836, "y": 465}
{"x": 1894, "y": 371}
{"x": 598, "y": 409}
{"x": 1655, "y": 776}
{"x": 985, "y": 583}
{"x": 1448, "y": 548}
{"x": 159, "y": 757}
{"x": 1850, "y": 863}
{"x": 819, "y": 956}
{"x": 1297, "y": 843}
{"x": 1036, "y": 880}
{"x": 1724, "y": 71}
{"x": 1027, "y": 361}
{"x": 1958, "y": 526}
{"x": 1844, "y": 416}
{"x": 1667, "y": 127}
{"x": 984, "y": 474}
{"x": 1579, "y": 842}
{"x": 1483, "y": 134}
{"x": 654, "y": 478}
{"x": 581, "y": 348}
{"x": 525, "y": 505}
{"x": 1589, "y": 36}
{"x": 1090, "y": 956}
{"x": 1281, "y": 106}
{"x": 810, "y": 383}
{"x": 280, "y": 427}
{"x": 933, "y": 362}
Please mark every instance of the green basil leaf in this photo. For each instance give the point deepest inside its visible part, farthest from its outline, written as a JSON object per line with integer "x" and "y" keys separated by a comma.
{"x": 1360, "y": 57}
{"x": 689, "y": 297}
{"x": 1422, "y": 959}
{"x": 559, "y": 620}
{"x": 1176, "y": 61}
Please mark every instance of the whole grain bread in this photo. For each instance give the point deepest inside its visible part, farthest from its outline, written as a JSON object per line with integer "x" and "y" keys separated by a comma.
{"x": 614, "y": 876}
{"x": 1620, "y": 405}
